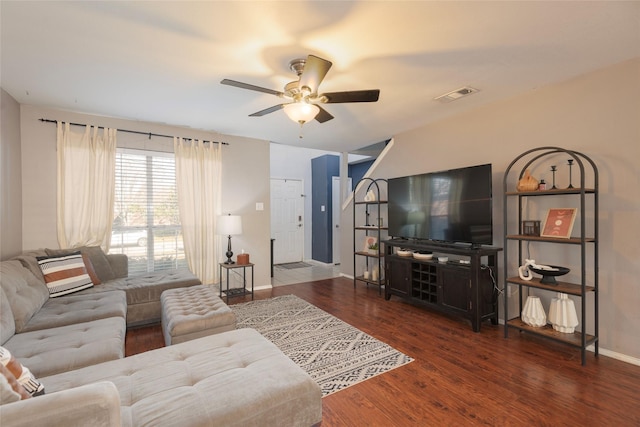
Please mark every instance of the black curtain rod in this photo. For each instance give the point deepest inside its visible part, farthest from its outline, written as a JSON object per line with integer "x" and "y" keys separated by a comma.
{"x": 149, "y": 134}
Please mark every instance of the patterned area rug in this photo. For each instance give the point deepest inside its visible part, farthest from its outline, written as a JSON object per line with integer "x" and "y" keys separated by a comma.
{"x": 292, "y": 265}
{"x": 335, "y": 354}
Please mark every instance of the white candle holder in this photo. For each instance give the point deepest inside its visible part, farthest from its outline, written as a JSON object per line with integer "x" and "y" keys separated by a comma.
{"x": 533, "y": 313}
{"x": 562, "y": 314}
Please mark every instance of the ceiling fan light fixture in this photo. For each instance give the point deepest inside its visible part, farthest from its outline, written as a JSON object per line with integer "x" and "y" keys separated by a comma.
{"x": 301, "y": 112}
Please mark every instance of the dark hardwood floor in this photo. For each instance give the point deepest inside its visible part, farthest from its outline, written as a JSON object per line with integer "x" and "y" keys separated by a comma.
{"x": 458, "y": 377}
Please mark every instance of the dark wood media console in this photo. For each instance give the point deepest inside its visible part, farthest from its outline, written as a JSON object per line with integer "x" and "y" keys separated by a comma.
{"x": 467, "y": 289}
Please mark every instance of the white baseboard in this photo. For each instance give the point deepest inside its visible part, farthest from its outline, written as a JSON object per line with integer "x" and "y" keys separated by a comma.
{"x": 616, "y": 355}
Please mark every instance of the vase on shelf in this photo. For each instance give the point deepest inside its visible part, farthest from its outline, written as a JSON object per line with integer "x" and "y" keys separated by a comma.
{"x": 562, "y": 314}
{"x": 533, "y": 313}
{"x": 527, "y": 182}
{"x": 374, "y": 274}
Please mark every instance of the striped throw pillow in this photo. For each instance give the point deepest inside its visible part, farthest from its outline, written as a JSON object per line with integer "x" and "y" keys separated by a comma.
{"x": 21, "y": 373}
{"x": 64, "y": 274}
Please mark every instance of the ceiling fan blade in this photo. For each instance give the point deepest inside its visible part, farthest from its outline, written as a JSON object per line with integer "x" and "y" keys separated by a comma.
{"x": 251, "y": 87}
{"x": 323, "y": 115}
{"x": 267, "y": 111}
{"x": 314, "y": 71}
{"x": 352, "y": 96}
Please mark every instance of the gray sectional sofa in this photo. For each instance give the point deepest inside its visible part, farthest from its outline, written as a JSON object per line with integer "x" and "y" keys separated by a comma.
{"x": 74, "y": 345}
{"x": 143, "y": 291}
{"x": 235, "y": 378}
{"x": 52, "y": 335}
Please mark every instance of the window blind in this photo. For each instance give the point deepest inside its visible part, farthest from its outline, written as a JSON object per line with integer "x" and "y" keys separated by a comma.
{"x": 146, "y": 223}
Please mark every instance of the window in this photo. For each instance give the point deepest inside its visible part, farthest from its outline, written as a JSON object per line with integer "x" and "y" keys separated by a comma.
{"x": 146, "y": 224}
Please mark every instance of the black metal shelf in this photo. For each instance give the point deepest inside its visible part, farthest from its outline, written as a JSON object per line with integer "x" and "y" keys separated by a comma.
{"x": 580, "y": 339}
{"x": 361, "y": 212}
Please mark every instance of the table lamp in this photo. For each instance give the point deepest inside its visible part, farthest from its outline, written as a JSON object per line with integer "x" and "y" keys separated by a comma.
{"x": 229, "y": 225}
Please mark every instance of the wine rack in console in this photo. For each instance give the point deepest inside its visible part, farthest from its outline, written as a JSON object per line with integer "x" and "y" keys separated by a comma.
{"x": 464, "y": 287}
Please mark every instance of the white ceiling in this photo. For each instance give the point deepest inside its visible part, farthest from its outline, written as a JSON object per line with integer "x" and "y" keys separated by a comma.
{"x": 163, "y": 61}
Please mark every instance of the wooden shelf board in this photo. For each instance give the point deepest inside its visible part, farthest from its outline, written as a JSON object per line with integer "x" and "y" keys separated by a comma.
{"x": 564, "y": 287}
{"x": 369, "y": 254}
{"x": 572, "y": 240}
{"x": 557, "y": 191}
{"x": 574, "y": 339}
{"x": 370, "y": 228}
{"x": 374, "y": 202}
{"x": 369, "y": 281}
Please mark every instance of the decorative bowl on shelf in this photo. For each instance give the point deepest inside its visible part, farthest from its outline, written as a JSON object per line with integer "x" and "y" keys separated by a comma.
{"x": 443, "y": 259}
{"x": 404, "y": 252}
{"x": 418, "y": 255}
{"x": 550, "y": 273}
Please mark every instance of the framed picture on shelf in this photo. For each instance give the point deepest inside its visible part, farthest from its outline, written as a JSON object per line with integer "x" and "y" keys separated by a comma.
{"x": 559, "y": 223}
{"x": 368, "y": 241}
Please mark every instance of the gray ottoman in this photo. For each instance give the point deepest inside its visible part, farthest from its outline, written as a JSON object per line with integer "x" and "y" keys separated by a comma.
{"x": 194, "y": 312}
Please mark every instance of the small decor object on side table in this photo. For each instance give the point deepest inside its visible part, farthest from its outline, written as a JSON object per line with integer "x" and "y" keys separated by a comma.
{"x": 243, "y": 259}
{"x": 559, "y": 223}
{"x": 229, "y": 225}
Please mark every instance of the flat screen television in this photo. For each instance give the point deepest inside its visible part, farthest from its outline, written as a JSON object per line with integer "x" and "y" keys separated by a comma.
{"x": 452, "y": 206}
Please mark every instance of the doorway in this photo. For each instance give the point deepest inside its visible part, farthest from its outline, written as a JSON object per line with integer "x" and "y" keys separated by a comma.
{"x": 287, "y": 220}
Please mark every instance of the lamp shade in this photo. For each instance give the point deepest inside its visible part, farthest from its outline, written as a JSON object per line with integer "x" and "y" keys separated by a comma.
{"x": 229, "y": 225}
{"x": 301, "y": 112}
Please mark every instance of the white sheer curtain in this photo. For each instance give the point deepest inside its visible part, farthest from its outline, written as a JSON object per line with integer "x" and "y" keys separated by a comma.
{"x": 86, "y": 182}
{"x": 198, "y": 179}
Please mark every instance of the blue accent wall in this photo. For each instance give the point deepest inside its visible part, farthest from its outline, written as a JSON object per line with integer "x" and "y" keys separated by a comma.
{"x": 323, "y": 168}
{"x": 357, "y": 170}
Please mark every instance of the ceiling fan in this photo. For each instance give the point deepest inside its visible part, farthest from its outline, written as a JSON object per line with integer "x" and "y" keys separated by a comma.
{"x": 303, "y": 92}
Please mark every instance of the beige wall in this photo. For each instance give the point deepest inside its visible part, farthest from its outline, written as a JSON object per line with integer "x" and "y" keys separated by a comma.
{"x": 10, "y": 178}
{"x": 245, "y": 179}
{"x": 597, "y": 114}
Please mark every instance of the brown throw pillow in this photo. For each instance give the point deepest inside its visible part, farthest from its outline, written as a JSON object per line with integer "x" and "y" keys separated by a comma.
{"x": 90, "y": 270}
{"x": 98, "y": 258}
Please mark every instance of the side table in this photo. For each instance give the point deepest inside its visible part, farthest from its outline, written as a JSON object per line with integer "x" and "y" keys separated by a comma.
{"x": 234, "y": 292}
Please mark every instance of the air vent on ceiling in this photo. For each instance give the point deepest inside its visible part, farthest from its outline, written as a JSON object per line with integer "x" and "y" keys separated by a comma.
{"x": 456, "y": 94}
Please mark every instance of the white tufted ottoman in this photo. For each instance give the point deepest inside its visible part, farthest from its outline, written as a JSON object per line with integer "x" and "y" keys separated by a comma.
{"x": 194, "y": 312}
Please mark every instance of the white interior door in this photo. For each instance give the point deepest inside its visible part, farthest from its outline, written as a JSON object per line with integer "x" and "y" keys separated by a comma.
{"x": 336, "y": 201}
{"x": 287, "y": 225}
